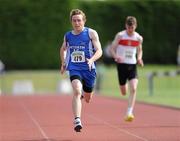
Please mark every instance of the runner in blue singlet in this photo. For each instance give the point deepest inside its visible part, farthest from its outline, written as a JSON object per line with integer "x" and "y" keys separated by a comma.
{"x": 80, "y": 49}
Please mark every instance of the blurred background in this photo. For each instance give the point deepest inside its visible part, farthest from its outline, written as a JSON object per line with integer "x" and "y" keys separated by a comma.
{"x": 31, "y": 34}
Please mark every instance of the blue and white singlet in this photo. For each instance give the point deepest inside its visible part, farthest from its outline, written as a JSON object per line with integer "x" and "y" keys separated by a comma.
{"x": 79, "y": 47}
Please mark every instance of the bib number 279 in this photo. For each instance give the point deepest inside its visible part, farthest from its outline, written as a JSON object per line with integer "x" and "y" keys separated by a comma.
{"x": 78, "y": 56}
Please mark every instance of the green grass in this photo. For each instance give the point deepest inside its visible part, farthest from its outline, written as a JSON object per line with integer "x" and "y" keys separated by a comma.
{"x": 43, "y": 81}
{"x": 166, "y": 89}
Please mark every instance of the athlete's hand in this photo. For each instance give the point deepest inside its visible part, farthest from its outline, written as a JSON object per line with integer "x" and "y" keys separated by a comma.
{"x": 118, "y": 59}
{"x": 63, "y": 68}
{"x": 140, "y": 62}
{"x": 89, "y": 62}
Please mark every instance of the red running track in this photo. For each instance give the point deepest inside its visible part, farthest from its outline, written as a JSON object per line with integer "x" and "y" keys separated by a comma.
{"x": 49, "y": 118}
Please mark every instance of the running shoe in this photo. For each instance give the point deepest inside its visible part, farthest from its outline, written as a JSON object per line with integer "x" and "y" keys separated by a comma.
{"x": 129, "y": 117}
{"x": 77, "y": 125}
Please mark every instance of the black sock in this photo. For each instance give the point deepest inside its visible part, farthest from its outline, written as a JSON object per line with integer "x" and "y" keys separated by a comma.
{"x": 77, "y": 117}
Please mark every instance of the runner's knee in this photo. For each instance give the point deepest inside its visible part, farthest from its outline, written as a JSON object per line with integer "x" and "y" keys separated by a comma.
{"x": 133, "y": 90}
{"x": 77, "y": 87}
{"x": 87, "y": 89}
{"x": 88, "y": 97}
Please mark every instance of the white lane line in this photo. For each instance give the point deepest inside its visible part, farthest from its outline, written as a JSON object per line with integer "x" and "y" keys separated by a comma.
{"x": 35, "y": 122}
{"x": 117, "y": 128}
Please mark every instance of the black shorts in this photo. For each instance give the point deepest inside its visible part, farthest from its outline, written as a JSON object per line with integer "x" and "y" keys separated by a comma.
{"x": 126, "y": 72}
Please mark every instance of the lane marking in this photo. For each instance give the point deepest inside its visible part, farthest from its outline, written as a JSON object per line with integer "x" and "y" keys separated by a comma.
{"x": 35, "y": 122}
{"x": 116, "y": 127}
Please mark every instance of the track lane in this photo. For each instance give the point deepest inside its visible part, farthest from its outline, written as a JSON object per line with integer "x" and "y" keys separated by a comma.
{"x": 49, "y": 118}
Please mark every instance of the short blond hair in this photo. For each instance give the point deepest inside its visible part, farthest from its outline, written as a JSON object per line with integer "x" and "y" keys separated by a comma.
{"x": 77, "y": 12}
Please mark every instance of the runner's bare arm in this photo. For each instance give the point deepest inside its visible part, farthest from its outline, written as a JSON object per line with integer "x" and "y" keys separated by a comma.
{"x": 140, "y": 54}
{"x": 113, "y": 48}
{"x": 97, "y": 45}
{"x": 62, "y": 56}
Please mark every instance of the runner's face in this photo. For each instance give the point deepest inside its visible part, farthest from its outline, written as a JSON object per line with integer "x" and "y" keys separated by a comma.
{"x": 130, "y": 29}
{"x": 77, "y": 23}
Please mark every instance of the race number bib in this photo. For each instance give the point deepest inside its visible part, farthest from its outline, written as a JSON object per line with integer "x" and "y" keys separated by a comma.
{"x": 128, "y": 54}
{"x": 77, "y": 57}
